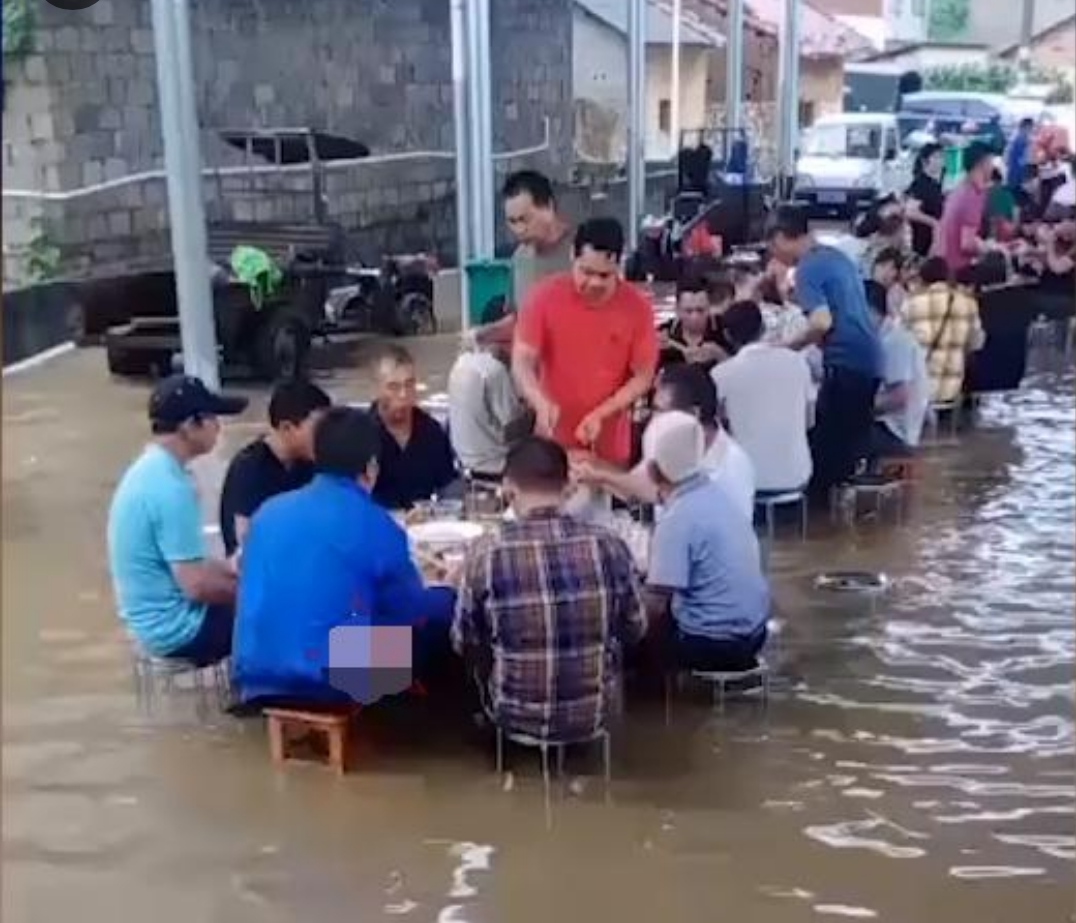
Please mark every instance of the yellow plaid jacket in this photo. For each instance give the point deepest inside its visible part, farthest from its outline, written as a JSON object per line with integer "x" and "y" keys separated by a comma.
{"x": 945, "y": 321}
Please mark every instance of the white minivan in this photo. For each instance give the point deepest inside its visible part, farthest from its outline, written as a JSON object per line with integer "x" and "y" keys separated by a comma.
{"x": 847, "y": 162}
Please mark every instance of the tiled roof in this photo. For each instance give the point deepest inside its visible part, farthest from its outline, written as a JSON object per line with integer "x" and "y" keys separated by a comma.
{"x": 851, "y": 7}
{"x": 821, "y": 35}
{"x": 614, "y": 13}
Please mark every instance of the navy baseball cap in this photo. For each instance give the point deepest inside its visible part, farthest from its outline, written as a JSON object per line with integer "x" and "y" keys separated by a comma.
{"x": 179, "y": 398}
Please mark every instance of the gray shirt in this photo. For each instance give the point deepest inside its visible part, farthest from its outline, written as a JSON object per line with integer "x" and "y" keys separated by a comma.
{"x": 531, "y": 266}
{"x": 906, "y": 364}
{"x": 482, "y": 402}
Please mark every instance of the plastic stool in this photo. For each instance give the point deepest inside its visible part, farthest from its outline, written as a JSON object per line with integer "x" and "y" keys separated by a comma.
{"x": 721, "y": 680}
{"x": 149, "y": 672}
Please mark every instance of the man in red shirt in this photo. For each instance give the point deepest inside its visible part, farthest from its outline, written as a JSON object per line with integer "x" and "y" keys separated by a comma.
{"x": 960, "y": 235}
{"x": 586, "y": 349}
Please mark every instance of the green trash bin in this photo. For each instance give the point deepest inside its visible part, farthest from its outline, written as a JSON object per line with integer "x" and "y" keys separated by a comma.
{"x": 487, "y": 281}
{"x": 954, "y": 166}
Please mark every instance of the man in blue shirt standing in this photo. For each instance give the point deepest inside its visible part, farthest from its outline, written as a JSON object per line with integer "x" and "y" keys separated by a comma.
{"x": 831, "y": 292}
{"x": 176, "y": 600}
{"x": 1018, "y": 156}
{"x": 325, "y": 564}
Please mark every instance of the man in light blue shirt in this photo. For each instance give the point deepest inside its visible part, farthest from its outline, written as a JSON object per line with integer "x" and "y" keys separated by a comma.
{"x": 705, "y": 565}
{"x": 904, "y": 397}
{"x": 175, "y": 600}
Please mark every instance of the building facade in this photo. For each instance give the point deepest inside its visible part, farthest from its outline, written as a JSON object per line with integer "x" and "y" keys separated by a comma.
{"x": 81, "y": 110}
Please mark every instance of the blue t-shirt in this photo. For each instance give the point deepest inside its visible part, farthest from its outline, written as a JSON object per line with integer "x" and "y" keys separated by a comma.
{"x": 1016, "y": 159}
{"x": 155, "y": 521}
{"x": 706, "y": 552}
{"x": 827, "y": 278}
{"x": 322, "y": 557}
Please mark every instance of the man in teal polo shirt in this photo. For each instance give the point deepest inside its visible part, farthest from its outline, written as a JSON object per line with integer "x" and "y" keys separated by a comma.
{"x": 176, "y": 601}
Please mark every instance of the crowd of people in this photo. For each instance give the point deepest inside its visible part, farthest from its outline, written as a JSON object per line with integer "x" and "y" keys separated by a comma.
{"x": 794, "y": 377}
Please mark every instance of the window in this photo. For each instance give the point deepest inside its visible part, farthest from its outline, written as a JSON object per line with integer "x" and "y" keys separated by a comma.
{"x": 665, "y": 115}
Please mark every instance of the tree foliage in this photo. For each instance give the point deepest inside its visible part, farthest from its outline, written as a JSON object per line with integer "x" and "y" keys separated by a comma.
{"x": 994, "y": 78}
{"x": 948, "y": 19}
{"x": 18, "y": 28}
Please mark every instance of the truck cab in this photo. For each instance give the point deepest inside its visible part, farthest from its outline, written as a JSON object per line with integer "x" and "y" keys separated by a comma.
{"x": 847, "y": 162}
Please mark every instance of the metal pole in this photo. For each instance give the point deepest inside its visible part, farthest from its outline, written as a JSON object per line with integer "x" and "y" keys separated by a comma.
{"x": 788, "y": 90}
{"x": 485, "y": 90}
{"x": 674, "y": 79}
{"x": 186, "y": 208}
{"x": 481, "y": 110}
{"x": 734, "y": 66}
{"x": 461, "y": 119}
{"x": 1027, "y": 30}
{"x": 636, "y": 118}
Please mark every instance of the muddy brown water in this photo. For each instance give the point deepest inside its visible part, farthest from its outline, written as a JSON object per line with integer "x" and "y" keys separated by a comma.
{"x": 915, "y": 764}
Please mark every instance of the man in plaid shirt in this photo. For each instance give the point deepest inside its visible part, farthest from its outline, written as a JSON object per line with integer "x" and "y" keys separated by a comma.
{"x": 543, "y": 607}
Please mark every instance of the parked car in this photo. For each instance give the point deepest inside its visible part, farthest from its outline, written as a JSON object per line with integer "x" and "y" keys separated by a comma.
{"x": 990, "y": 116}
{"x": 848, "y": 162}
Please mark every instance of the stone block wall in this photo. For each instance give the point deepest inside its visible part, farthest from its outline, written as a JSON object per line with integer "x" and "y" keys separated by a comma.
{"x": 82, "y": 110}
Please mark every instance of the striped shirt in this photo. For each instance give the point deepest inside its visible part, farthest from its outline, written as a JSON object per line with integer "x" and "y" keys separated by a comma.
{"x": 546, "y": 603}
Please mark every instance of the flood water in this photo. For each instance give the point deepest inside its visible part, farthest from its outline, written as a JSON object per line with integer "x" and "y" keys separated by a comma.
{"x": 915, "y": 764}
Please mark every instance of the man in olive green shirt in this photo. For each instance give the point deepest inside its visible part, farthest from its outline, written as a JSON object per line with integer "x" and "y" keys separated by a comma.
{"x": 544, "y": 241}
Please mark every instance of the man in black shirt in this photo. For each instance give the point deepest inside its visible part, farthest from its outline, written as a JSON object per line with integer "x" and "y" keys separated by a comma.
{"x": 696, "y": 336}
{"x": 276, "y": 463}
{"x": 415, "y": 461}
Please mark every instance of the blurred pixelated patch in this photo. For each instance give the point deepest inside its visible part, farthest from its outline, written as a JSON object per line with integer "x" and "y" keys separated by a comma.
{"x": 369, "y": 662}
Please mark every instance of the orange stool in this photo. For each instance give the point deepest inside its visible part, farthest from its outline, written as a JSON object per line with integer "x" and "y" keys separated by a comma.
{"x": 286, "y": 725}
{"x": 908, "y": 468}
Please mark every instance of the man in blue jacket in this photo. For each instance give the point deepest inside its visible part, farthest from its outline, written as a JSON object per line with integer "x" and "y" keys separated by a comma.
{"x": 326, "y": 577}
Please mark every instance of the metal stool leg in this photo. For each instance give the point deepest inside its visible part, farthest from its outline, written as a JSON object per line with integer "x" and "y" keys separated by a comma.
{"x": 200, "y": 705}
{"x": 223, "y": 686}
{"x": 607, "y": 756}
{"x": 500, "y": 751}
{"x": 668, "y": 699}
{"x": 545, "y": 769}
{"x": 560, "y": 760}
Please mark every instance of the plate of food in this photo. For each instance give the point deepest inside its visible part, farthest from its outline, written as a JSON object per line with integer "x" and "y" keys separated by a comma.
{"x": 444, "y": 533}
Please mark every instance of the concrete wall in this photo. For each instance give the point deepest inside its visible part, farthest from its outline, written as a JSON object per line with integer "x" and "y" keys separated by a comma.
{"x": 821, "y": 88}
{"x": 1056, "y": 51}
{"x": 694, "y": 92}
{"x": 997, "y": 24}
{"x": 600, "y": 85}
{"x": 83, "y": 109}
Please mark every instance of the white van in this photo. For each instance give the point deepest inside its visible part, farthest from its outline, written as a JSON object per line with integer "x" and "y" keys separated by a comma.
{"x": 847, "y": 162}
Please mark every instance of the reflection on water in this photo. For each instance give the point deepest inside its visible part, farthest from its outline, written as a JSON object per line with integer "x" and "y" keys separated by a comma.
{"x": 914, "y": 765}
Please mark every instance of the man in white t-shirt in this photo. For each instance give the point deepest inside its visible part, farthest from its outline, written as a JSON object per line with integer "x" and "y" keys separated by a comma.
{"x": 485, "y": 413}
{"x": 766, "y": 395}
{"x": 683, "y": 389}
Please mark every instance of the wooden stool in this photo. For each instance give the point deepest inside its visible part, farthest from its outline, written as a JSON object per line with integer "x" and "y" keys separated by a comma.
{"x": 285, "y": 725}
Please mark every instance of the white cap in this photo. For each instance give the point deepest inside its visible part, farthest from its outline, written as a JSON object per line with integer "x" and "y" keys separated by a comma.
{"x": 675, "y": 442}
